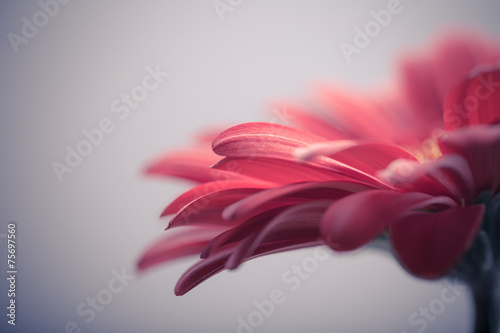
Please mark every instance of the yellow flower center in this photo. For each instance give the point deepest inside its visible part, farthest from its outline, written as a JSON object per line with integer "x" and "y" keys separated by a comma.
{"x": 428, "y": 149}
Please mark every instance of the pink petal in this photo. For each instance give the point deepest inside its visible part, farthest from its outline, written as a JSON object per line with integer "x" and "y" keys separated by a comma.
{"x": 208, "y": 208}
{"x": 419, "y": 88}
{"x": 474, "y": 101}
{"x": 449, "y": 175}
{"x": 211, "y": 187}
{"x": 459, "y": 52}
{"x": 278, "y": 171}
{"x": 355, "y": 220}
{"x": 214, "y": 264}
{"x": 324, "y": 149}
{"x": 427, "y": 78}
{"x": 367, "y": 157}
{"x": 294, "y": 222}
{"x": 480, "y": 146}
{"x": 184, "y": 242}
{"x": 312, "y": 122}
{"x": 363, "y": 115}
{"x": 292, "y": 194}
{"x": 428, "y": 245}
{"x": 192, "y": 164}
{"x": 242, "y": 230}
{"x": 262, "y": 140}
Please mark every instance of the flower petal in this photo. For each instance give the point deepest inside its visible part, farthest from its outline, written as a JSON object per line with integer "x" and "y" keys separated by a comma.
{"x": 293, "y": 194}
{"x": 428, "y": 245}
{"x": 278, "y": 171}
{"x": 211, "y": 187}
{"x": 367, "y": 157}
{"x": 208, "y": 208}
{"x": 475, "y": 101}
{"x": 214, "y": 264}
{"x": 262, "y": 139}
{"x": 312, "y": 122}
{"x": 480, "y": 146}
{"x": 449, "y": 175}
{"x": 192, "y": 164}
{"x": 295, "y": 222}
{"x": 177, "y": 244}
{"x": 355, "y": 220}
{"x": 241, "y": 231}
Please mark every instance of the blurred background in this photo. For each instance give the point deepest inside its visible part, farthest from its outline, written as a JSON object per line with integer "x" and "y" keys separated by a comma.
{"x": 64, "y": 67}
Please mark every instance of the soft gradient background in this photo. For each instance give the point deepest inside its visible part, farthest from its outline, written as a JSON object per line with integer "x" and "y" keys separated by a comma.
{"x": 73, "y": 234}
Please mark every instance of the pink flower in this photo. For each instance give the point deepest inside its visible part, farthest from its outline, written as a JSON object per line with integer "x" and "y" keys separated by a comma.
{"x": 411, "y": 161}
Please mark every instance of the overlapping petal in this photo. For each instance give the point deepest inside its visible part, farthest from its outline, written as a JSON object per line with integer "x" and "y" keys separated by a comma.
{"x": 355, "y": 220}
{"x": 475, "y": 101}
{"x": 430, "y": 244}
{"x": 349, "y": 172}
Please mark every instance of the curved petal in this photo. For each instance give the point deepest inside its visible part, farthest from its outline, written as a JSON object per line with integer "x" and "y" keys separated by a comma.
{"x": 243, "y": 230}
{"x": 367, "y": 157}
{"x": 449, "y": 175}
{"x": 427, "y": 78}
{"x": 312, "y": 122}
{"x": 214, "y": 264}
{"x": 294, "y": 222}
{"x": 475, "y": 101}
{"x": 184, "y": 242}
{"x": 262, "y": 139}
{"x": 294, "y": 193}
{"x": 277, "y": 171}
{"x": 480, "y": 146}
{"x": 192, "y": 164}
{"x": 208, "y": 208}
{"x": 428, "y": 245}
{"x": 355, "y": 220}
{"x": 210, "y": 187}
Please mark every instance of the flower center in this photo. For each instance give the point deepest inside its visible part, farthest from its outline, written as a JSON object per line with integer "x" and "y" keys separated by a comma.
{"x": 428, "y": 149}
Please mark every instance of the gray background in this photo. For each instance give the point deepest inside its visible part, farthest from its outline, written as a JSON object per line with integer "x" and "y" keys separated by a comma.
{"x": 72, "y": 234}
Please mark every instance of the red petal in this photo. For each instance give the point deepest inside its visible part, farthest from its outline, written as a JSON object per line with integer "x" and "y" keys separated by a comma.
{"x": 458, "y": 53}
{"x": 374, "y": 115}
{"x": 475, "y": 101}
{"x": 262, "y": 140}
{"x": 192, "y": 164}
{"x": 428, "y": 245}
{"x": 480, "y": 146}
{"x": 278, "y": 171}
{"x": 211, "y": 187}
{"x": 295, "y": 222}
{"x": 367, "y": 157}
{"x": 419, "y": 88}
{"x": 309, "y": 121}
{"x": 241, "y": 231}
{"x": 294, "y": 193}
{"x": 208, "y": 209}
{"x": 184, "y": 242}
{"x": 449, "y": 175}
{"x": 216, "y": 263}
{"x": 355, "y": 220}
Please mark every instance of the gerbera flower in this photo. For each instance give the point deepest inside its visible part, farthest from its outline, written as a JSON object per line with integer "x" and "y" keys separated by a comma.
{"x": 410, "y": 161}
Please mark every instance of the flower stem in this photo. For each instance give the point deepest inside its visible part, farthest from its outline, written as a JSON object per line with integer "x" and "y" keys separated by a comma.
{"x": 486, "y": 299}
